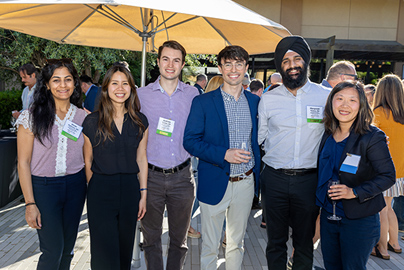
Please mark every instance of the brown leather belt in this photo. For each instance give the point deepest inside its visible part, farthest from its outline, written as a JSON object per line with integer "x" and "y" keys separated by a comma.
{"x": 171, "y": 170}
{"x": 240, "y": 177}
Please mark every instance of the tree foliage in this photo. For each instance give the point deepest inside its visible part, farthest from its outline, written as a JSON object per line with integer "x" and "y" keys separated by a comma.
{"x": 18, "y": 49}
{"x": 197, "y": 60}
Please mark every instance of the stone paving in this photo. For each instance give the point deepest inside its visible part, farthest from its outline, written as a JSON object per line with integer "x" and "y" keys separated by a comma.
{"x": 19, "y": 245}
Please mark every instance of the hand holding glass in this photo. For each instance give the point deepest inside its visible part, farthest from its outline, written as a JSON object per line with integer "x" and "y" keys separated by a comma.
{"x": 12, "y": 122}
{"x": 331, "y": 183}
{"x": 244, "y": 148}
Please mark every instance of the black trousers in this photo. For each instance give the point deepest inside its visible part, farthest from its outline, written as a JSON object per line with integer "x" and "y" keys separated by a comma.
{"x": 60, "y": 201}
{"x": 112, "y": 208}
{"x": 289, "y": 201}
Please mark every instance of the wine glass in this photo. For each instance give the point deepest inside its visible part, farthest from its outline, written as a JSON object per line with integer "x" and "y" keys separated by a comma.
{"x": 333, "y": 182}
{"x": 12, "y": 122}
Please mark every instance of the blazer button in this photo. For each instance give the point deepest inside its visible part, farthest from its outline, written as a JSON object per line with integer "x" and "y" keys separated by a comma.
{"x": 227, "y": 174}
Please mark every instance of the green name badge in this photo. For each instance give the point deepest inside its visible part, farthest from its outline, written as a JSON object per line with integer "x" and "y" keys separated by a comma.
{"x": 165, "y": 127}
{"x": 314, "y": 114}
{"x": 164, "y": 133}
{"x": 313, "y": 120}
{"x": 71, "y": 130}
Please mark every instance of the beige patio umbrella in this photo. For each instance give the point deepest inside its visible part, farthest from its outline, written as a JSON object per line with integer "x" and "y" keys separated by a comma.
{"x": 200, "y": 26}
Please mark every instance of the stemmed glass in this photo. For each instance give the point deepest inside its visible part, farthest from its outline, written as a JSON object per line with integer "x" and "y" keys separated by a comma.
{"x": 12, "y": 122}
{"x": 331, "y": 183}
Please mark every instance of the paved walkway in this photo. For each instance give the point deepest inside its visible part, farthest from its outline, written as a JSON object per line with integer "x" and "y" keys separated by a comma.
{"x": 19, "y": 245}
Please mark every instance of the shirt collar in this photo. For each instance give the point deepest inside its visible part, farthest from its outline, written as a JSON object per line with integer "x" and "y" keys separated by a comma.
{"x": 157, "y": 86}
{"x": 305, "y": 88}
{"x": 227, "y": 96}
{"x": 32, "y": 89}
{"x": 88, "y": 90}
{"x": 326, "y": 83}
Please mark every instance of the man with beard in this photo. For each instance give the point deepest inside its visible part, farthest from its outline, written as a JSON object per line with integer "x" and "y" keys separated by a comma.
{"x": 290, "y": 123}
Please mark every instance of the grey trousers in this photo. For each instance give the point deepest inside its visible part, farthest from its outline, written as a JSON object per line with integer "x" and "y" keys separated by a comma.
{"x": 177, "y": 193}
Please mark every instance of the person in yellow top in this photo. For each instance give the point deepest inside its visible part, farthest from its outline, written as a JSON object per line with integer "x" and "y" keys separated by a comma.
{"x": 389, "y": 117}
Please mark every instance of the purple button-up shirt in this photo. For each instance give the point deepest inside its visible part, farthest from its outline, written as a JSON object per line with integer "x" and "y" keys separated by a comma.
{"x": 162, "y": 151}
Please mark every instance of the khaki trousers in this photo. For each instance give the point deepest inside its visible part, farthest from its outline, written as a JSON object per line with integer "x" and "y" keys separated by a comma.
{"x": 236, "y": 207}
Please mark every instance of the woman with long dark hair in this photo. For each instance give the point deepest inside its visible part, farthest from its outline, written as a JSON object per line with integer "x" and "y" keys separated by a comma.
{"x": 50, "y": 162}
{"x": 389, "y": 117}
{"x": 116, "y": 169}
{"x": 354, "y": 168}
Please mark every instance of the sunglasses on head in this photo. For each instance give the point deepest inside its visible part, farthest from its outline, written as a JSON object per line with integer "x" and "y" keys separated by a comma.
{"x": 353, "y": 75}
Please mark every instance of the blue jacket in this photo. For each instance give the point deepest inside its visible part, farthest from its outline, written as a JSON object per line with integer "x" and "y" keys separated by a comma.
{"x": 206, "y": 136}
{"x": 375, "y": 174}
{"x": 92, "y": 98}
{"x": 200, "y": 89}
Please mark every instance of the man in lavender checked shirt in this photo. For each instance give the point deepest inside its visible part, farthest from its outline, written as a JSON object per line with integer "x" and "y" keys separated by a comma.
{"x": 166, "y": 104}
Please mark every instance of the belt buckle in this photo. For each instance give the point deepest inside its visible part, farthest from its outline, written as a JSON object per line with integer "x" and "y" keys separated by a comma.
{"x": 289, "y": 172}
{"x": 238, "y": 178}
{"x": 167, "y": 172}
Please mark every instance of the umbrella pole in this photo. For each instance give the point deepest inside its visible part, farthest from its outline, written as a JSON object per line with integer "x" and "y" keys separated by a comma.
{"x": 136, "y": 247}
{"x": 143, "y": 70}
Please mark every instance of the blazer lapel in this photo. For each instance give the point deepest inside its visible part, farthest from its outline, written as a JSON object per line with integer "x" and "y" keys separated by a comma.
{"x": 252, "y": 109}
{"x": 219, "y": 104}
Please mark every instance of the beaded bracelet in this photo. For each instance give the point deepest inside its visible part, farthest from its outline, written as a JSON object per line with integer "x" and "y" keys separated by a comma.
{"x": 143, "y": 189}
{"x": 28, "y": 204}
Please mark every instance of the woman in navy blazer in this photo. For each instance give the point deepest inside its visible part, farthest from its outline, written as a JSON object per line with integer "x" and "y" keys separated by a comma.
{"x": 355, "y": 153}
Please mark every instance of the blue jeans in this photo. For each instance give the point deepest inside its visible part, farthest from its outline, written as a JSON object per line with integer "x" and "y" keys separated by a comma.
{"x": 60, "y": 201}
{"x": 398, "y": 207}
{"x": 347, "y": 244}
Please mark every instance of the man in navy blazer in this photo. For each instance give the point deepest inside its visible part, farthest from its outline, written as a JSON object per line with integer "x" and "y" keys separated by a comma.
{"x": 222, "y": 132}
{"x": 91, "y": 91}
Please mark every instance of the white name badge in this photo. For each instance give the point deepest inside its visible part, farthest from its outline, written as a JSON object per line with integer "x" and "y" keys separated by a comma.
{"x": 350, "y": 164}
{"x": 314, "y": 114}
{"x": 71, "y": 130}
{"x": 165, "y": 127}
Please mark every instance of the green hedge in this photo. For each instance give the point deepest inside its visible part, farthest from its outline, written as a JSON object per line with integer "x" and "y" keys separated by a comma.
{"x": 9, "y": 101}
